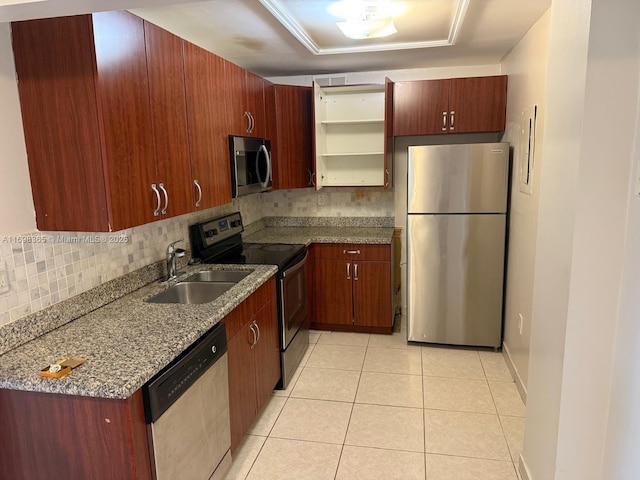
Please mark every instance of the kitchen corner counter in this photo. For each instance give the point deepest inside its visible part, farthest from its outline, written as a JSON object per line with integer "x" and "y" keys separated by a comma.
{"x": 307, "y": 230}
{"x": 125, "y": 342}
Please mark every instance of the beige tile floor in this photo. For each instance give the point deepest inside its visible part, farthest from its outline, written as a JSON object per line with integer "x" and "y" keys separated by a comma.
{"x": 368, "y": 407}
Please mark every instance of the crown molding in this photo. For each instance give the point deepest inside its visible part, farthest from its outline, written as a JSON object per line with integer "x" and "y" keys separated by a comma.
{"x": 276, "y": 9}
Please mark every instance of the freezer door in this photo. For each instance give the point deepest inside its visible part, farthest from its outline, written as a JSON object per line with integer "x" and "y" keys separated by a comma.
{"x": 470, "y": 178}
{"x": 455, "y": 266}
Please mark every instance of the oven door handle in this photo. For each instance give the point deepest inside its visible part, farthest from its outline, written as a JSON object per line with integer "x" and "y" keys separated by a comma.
{"x": 296, "y": 267}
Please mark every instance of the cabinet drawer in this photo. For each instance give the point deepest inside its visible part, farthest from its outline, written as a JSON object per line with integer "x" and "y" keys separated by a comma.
{"x": 352, "y": 251}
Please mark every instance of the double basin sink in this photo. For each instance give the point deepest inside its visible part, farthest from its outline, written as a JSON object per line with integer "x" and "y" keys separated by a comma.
{"x": 201, "y": 287}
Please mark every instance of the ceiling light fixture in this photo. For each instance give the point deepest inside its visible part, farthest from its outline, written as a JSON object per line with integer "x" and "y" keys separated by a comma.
{"x": 364, "y": 19}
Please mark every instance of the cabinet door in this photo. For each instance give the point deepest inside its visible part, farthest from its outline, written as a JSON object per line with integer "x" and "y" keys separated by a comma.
{"x": 237, "y": 114}
{"x": 292, "y": 160}
{"x": 388, "y": 131}
{"x": 334, "y": 292}
{"x": 169, "y": 118}
{"x": 254, "y": 93}
{"x": 208, "y": 141}
{"x": 55, "y": 68}
{"x": 123, "y": 98}
{"x": 479, "y": 104}
{"x": 48, "y": 435}
{"x": 242, "y": 388}
{"x": 421, "y": 107}
{"x": 372, "y": 294}
{"x": 267, "y": 352}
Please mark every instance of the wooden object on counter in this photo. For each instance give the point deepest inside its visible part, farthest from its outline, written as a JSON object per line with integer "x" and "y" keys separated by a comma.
{"x": 64, "y": 436}
{"x": 353, "y": 288}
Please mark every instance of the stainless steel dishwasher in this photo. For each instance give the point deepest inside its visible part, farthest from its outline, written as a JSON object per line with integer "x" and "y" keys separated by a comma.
{"x": 187, "y": 413}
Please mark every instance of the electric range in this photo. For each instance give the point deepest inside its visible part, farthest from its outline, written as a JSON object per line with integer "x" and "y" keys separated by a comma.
{"x": 219, "y": 240}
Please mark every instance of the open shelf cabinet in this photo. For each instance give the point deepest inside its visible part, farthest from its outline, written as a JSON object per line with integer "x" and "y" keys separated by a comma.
{"x": 351, "y": 135}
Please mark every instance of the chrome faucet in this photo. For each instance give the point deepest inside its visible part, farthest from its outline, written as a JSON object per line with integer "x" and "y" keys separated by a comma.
{"x": 172, "y": 253}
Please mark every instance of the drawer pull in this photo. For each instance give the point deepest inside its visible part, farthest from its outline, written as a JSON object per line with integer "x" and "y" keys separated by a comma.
{"x": 351, "y": 252}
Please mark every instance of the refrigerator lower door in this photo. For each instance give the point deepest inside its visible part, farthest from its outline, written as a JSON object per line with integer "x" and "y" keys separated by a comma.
{"x": 455, "y": 268}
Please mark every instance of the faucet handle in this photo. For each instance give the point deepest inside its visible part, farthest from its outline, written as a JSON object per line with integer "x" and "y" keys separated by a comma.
{"x": 180, "y": 252}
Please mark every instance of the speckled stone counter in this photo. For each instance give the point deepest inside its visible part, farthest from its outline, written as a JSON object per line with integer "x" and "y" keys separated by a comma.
{"x": 308, "y": 235}
{"x": 125, "y": 342}
{"x": 307, "y": 230}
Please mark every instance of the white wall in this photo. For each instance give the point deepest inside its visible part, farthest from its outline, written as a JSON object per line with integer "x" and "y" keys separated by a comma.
{"x": 592, "y": 109}
{"x": 526, "y": 67}
{"x": 16, "y": 205}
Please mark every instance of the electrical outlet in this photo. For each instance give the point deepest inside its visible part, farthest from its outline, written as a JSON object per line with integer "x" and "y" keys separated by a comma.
{"x": 4, "y": 282}
{"x": 520, "y": 321}
{"x": 321, "y": 199}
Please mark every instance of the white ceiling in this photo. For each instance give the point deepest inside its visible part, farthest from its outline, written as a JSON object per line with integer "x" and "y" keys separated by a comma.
{"x": 299, "y": 37}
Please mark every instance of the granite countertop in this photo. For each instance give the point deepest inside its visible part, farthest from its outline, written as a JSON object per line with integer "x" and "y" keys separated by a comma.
{"x": 316, "y": 234}
{"x": 125, "y": 342}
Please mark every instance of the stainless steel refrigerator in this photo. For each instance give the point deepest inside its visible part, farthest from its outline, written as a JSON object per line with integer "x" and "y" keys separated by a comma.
{"x": 456, "y": 228}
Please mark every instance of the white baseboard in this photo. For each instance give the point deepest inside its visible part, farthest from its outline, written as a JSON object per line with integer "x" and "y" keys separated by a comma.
{"x": 522, "y": 389}
{"x": 523, "y": 469}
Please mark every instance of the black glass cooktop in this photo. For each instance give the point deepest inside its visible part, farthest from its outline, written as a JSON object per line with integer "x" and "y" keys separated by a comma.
{"x": 279, "y": 254}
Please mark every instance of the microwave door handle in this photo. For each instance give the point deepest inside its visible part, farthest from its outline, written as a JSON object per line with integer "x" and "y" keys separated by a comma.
{"x": 267, "y": 157}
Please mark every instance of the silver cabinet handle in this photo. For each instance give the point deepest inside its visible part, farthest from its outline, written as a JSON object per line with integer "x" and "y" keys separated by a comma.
{"x": 195, "y": 182}
{"x": 348, "y": 271}
{"x": 351, "y": 252}
{"x": 255, "y": 337}
{"x": 166, "y": 198}
{"x": 253, "y": 122}
{"x": 313, "y": 179}
{"x": 386, "y": 183}
{"x": 444, "y": 121}
{"x": 248, "y": 116}
{"x": 156, "y": 212}
{"x": 311, "y": 174}
{"x": 258, "y": 329}
{"x": 453, "y": 118}
{"x": 355, "y": 271}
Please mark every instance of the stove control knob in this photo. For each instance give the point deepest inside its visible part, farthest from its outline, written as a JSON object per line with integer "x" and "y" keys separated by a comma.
{"x": 210, "y": 233}
{"x": 235, "y": 223}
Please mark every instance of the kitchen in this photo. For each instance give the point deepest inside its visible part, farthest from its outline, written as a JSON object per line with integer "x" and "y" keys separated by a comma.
{"x": 565, "y": 81}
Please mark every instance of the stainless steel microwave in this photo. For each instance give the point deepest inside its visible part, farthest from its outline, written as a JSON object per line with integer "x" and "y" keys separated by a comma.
{"x": 250, "y": 165}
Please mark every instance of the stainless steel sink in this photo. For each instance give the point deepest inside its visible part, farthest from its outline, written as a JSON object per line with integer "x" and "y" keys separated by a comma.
{"x": 192, "y": 292}
{"x": 233, "y": 276}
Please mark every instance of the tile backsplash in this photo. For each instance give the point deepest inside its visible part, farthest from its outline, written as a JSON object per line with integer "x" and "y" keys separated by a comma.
{"x": 44, "y": 268}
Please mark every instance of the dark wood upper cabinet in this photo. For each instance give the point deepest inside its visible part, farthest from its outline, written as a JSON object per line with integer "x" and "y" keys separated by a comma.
{"x": 208, "y": 130}
{"x": 421, "y": 107}
{"x": 169, "y": 118}
{"x": 460, "y": 105}
{"x": 246, "y": 113}
{"x": 85, "y": 106}
{"x": 292, "y": 150}
{"x": 63, "y": 168}
{"x": 479, "y": 103}
{"x": 105, "y": 121}
{"x": 254, "y": 87}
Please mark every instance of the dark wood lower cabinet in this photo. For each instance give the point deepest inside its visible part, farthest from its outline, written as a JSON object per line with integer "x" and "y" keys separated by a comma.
{"x": 353, "y": 288}
{"x": 50, "y": 436}
{"x": 254, "y": 361}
